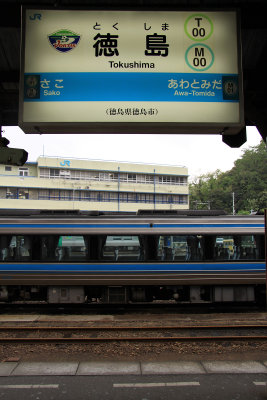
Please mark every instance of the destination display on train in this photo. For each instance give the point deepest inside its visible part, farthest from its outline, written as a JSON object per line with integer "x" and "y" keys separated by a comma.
{"x": 130, "y": 71}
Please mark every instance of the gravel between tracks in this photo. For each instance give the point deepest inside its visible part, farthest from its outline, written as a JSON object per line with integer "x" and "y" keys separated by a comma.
{"x": 129, "y": 352}
{"x": 126, "y": 351}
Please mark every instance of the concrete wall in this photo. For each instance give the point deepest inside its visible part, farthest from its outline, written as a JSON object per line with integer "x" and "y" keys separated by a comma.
{"x": 83, "y": 205}
{"x": 114, "y": 166}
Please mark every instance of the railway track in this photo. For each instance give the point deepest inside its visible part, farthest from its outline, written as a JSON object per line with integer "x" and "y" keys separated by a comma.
{"x": 81, "y": 334}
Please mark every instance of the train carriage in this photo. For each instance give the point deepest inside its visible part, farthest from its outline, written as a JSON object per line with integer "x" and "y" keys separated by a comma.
{"x": 82, "y": 257}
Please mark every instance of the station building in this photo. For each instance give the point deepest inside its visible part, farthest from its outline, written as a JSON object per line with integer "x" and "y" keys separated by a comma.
{"x": 75, "y": 184}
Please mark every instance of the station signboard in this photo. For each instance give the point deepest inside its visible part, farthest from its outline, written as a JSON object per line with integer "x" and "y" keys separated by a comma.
{"x": 130, "y": 72}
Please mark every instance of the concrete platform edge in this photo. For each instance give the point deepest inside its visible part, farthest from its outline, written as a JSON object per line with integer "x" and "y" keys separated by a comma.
{"x": 91, "y": 368}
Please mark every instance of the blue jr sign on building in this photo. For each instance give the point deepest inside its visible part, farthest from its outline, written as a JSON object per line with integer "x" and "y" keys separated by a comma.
{"x": 130, "y": 71}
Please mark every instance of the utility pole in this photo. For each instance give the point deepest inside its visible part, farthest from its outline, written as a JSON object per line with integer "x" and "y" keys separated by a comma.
{"x": 265, "y": 223}
{"x": 233, "y": 194}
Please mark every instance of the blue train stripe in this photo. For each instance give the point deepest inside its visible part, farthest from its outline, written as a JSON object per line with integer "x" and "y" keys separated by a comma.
{"x": 132, "y": 268}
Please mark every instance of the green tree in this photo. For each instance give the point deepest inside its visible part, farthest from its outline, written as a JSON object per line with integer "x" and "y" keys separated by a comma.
{"x": 246, "y": 182}
{"x": 249, "y": 179}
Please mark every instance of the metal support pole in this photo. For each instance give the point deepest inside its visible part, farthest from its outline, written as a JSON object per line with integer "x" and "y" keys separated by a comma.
{"x": 119, "y": 189}
{"x": 265, "y": 220}
{"x": 233, "y": 203}
{"x": 154, "y": 189}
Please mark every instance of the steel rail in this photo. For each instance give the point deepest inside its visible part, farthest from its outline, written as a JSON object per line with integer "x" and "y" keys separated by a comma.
{"x": 132, "y": 339}
{"x": 167, "y": 338}
{"x": 121, "y": 328}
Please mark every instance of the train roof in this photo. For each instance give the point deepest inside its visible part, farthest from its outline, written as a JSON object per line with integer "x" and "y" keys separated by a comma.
{"x": 80, "y": 223}
{"x": 138, "y": 214}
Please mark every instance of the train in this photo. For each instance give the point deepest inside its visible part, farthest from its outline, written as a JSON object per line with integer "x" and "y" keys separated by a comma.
{"x": 76, "y": 257}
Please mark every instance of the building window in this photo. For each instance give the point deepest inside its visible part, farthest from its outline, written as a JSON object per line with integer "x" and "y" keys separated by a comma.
{"x": 65, "y": 195}
{"x": 23, "y": 193}
{"x": 107, "y": 176}
{"x": 113, "y": 196}
{"x": 149, "y": 178}
{"x": 131, "y": 197}
{"x": 182, "y": 181}
{"x": 105, "y": 196}
{"x": 23, "y": 171}
{"x": 123, "y": 197}
{"x": 171, "y": 180}
{"x": 54, "y": 173}
{"x": 94, "y": 176}
{"x": 165, "y": 180}
{"x": 159, "y": 198}
{"x": 123, "y": 177}
{"x": 64, "y": 173}
{"x": 11, "y": 193}
{"x": 54, "y": 194}
{"x": 43, "y": 194}
{"x": 8, "y": 168}
{"x": 75, "y": 175}
{"x": 84, "y": 195}
{"x": 141, "y": 178}
{"x": 183, "y": 199}
{"x": 93, "y": 196}
{"x": 131, "y": 177}
{"x": 44, "y": 173}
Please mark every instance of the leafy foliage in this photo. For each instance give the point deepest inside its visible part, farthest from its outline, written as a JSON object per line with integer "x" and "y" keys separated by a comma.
{"x": 246, "y": 183}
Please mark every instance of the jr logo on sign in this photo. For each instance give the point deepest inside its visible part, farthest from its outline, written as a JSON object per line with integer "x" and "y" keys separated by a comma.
{"x": 35, "y": 16}
{"x": 66, "y": 163}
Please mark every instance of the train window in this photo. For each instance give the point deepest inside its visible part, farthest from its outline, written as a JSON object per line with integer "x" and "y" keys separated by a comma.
{"x": 16, "y": 248}
{"x": 186, "y": 248}
{"x": 247, "y": 247}
{"x": 224, "y": 248}
{"x": 122, "y": 248}
{"x": 70, "y": 248}
{"x": 236, "y": 247}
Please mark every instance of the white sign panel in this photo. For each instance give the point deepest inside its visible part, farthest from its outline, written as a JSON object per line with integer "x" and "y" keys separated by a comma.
{"x": 130, "y": 71}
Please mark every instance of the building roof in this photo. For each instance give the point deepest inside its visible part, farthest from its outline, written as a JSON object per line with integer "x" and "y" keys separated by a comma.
{"x": 115, "y": 166}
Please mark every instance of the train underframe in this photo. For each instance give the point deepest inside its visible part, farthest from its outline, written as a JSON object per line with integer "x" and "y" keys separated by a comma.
{"x": 133, "y": 294}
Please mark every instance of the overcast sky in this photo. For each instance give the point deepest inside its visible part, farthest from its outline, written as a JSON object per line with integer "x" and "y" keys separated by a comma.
{"x": 199, "y": 153}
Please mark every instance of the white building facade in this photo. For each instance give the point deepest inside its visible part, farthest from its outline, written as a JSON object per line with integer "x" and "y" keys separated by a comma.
{"x": 73, "y": 184}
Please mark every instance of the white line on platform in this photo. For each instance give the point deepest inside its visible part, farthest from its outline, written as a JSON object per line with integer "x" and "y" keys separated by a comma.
{"x": 29, "y": 386}
{"x": 260, "y": 383}
{"x": 154, "y": 384}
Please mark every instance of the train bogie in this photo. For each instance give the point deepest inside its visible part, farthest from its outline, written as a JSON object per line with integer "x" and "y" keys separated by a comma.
{"x": 66, "y": 294}
{"x": 131, "y": 294}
